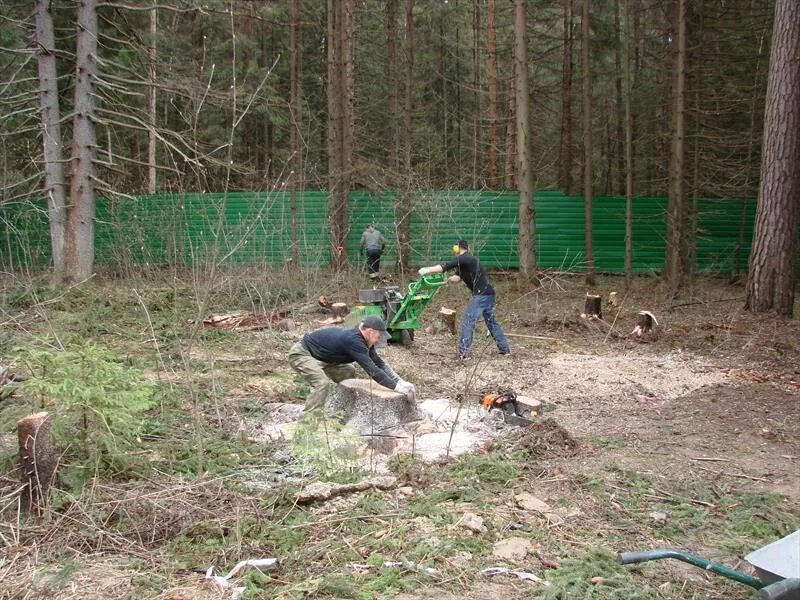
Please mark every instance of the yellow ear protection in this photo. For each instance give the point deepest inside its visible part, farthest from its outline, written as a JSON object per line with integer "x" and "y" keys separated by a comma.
{"x": 456, "y": 248}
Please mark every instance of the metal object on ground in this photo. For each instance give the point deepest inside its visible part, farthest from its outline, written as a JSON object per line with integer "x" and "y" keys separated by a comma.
{"x": 777, "y": 566}
{"x": 401, "y": 312}
{"x": 513, "y": 411}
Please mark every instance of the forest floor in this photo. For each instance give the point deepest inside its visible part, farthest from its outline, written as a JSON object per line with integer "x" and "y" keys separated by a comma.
{"x": 688, "y": 438}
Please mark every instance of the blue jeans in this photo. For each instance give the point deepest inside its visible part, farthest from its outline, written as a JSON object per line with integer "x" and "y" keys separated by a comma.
{"x": 481, "y": 306}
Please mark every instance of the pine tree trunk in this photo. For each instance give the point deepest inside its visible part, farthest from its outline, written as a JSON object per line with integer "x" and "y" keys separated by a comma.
{"x": 404, "y": 206}
{"x": 476, "y": 91}
{"x": 773, "y": 260}
{"x": 628, "y": 154}
{"x": 80, "y": 228}
{"x": 566, "y": 103}
{"x": 392, "y": 82}
{"x": 338, "y": 70}
{"x": 51, "y": 134}
{"x": 297, "y": 182}
{"x": 491, "y": 49}
{"x": 587, "y": 141}
{"x": 151, "y": 102}
{"x": 527, "y": 237}
{"x": 677, "y": 214}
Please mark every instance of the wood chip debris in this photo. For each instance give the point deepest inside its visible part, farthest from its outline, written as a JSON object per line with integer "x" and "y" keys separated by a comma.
{"x": 362, "y": 568}
{"x": 524, "y": 575}
{"x": 247, "y": 321}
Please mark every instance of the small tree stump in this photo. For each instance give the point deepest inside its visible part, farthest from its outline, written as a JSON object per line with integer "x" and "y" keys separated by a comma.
{"x": 370, "y": 408}
{"x": 645, "y": 321}
{"x": 448, "y": 318}
{"x": 339, "y": 310}
{"x": 37, "y": 458}
{"x": 592, "y": 307}
{"x": 612, "y": 299}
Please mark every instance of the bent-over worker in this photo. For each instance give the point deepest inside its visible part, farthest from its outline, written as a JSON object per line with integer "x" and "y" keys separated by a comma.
{"x": 326, "y": 355}
{"x": 470, "y": 270}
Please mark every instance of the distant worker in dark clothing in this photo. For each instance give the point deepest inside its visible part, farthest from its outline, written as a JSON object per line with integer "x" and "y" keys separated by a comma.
{"x": 471, "y": 271}
{"x": 325, "y": 357}
{"x": 372, "y": 243}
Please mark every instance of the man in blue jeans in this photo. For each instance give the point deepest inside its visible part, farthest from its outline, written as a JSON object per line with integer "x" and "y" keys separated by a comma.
{"x": 471, "y": 271}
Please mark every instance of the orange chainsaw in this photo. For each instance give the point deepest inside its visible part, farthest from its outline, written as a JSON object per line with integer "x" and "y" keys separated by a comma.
{"x": 514, "y": 412}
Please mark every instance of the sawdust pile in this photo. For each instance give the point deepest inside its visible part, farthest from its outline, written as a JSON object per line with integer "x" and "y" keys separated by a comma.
{"x": 546, "y": 438}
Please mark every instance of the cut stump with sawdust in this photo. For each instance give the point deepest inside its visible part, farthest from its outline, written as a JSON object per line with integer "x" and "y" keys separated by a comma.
{"x": 369, "y": 408}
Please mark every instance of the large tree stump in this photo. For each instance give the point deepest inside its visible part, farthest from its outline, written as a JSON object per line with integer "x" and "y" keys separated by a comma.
{"x": 37, "y": 458}
{"x": 592, "y": 307}
{"x": 339, "y": 310}
{"x": 448, "y": 318}
{"x": 369, "y": 408}
{"x": 645, "y": 321}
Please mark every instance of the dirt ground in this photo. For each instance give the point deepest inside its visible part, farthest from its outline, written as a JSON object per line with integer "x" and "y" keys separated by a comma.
{"x": 708, "y": 404}
{"x": 713, "y": 390}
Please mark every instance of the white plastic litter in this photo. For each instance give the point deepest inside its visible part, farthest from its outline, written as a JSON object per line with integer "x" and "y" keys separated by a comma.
{"x": 223, "y": 581}
{"x": 524, "y": 575}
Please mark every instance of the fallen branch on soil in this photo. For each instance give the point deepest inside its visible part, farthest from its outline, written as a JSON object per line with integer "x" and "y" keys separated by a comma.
{"x": 534, "y": 337}
{"x": 740, "y": 475}
{"x": 320, "y": 490}
{"x": 710, "y": 459}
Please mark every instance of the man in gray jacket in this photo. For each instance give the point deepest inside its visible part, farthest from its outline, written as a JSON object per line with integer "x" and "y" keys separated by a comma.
{"x": 373, "y": 243}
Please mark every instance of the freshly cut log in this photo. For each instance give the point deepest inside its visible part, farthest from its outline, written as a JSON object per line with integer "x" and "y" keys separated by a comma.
{"x": 38, "y": 459}
{"x": 645, "y": 321}
{"x": 339, "y": 310}
{"x": 448, "y": 317}
{"x": 592, "y": 307}
{"x": 369, "y": 408}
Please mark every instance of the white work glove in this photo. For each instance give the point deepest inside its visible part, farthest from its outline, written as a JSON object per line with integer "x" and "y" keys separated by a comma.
{"x": 453, "y": 279}
{"x": 427, "y": 270}
{"x": 407, "y": 389}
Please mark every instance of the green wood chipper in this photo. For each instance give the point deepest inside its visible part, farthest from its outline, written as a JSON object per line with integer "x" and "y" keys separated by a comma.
{"x": 400, "y": 311}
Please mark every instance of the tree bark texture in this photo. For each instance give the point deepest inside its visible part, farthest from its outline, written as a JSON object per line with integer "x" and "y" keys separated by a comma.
{"x": 51, "y": 134}
{"x": 38, "y": 459}
{"x": 369, "y": 408}
{"x": 404, "y": 207}
{"x": 527, "y": 235}
{"x": 491, "y": 52}
{"x": 80, "y": 229}
{"x": 152, "y": 58}
{"x": 587, "y": 140}
{"x": 393, "y": 100}
{"x": 296, "y": 127}
{"x": 477, "y": 130}
{"x": 566, "y": 102}
{"x": 676, "y": 260}
{"x": 773, "y": 259}
{"x": 341, "y": 19}
{"x": 628, "y": 152}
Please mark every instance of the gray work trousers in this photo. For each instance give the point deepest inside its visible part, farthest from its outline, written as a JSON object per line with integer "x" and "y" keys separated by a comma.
{"x": 322, "y": 376}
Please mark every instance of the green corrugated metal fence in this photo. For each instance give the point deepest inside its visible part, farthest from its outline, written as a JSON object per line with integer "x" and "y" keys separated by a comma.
{"x": 255, "y": 229}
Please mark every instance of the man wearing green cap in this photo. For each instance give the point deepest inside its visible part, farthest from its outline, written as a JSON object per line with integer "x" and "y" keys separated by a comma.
{"x": 326, "y": 355}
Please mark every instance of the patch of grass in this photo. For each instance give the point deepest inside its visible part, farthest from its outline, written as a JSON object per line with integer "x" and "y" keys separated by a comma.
{"x": 605, "y": 442}
{"x": 574, "y": 579}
